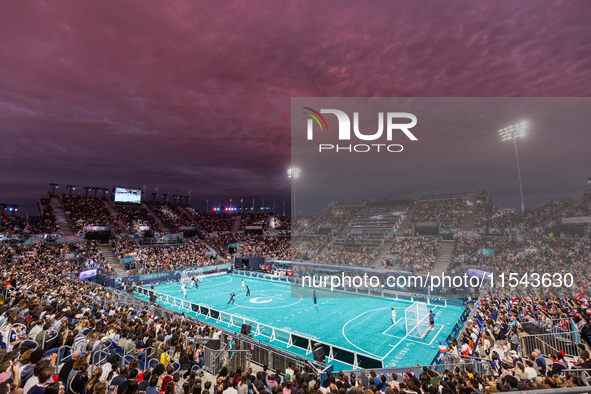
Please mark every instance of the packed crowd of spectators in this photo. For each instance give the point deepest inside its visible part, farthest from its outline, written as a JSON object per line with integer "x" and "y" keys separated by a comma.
{"x": 526, "y": 256}
{"x": 449, "y": 212}
{"x": 496, "y": 332}
{"x": 334, "y": 217}
{"x": 86, "y": 318}
{"x": 46, "y": 223}
{"x": 530, "y": 218}
{"x": 56, "y": 312}
{"x": 136, "y": 217}
{"x": 283, "y": 223}
{"x": 306, "y": 247}
{"x": 540, "y": 217}
{"x": 162, "y": 258}
{"x": 171, "y": 215}
{"x": 253, "y": 245}
{"x": 212, "y": 221}
{"x": 278, "y": 247}
{"x": 483, "y": 209}
{"x": 50, "y": 225}
{"x": 255, "y": 219}
{"x": 10, "y": 224}
{"x": 221, "y": 242}
{"x": 363, "y": 256}
{"x": 82, "y": 255}
{"x": 416, "y": 254}
{"x": 87, "y": 211}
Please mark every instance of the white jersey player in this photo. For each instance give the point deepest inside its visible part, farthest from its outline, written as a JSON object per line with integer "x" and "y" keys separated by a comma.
{"x": 393, "y": 317}
{"x": 184, "y": 290}
{"x": 242, "y": 288}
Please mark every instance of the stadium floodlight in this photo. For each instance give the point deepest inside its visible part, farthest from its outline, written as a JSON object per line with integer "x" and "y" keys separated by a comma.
{"x": 293, "y": 173}
{"x": 511, "y": 133}
{"x": 53, "y": 186}
{"x": 70, "y": 188}
{"x": 589, "y": 179}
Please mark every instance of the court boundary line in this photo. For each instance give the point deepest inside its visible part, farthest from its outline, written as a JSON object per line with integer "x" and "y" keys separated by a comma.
{"x": 281, "y": 286}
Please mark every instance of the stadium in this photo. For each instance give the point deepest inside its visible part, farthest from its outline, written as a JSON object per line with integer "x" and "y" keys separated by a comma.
{"x": 149, "y": 264}
{"x": 333, "y": 197}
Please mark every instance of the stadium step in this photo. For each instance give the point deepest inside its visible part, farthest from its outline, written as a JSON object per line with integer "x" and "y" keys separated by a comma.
{"x": 113, "y": 260}
{"x": 443, "y": 258}
{"x": 111, "y": 207}
{"x": 236, "y": 225}
{"x": 470, "y": 212}
{"x": 407, "y": 219}
{"x": 380, "y": 261}
{"x": 60, "y": 216}
{"x": 195, "y": 222}
{"x": 208, "y": 246}
{"x": 164, "y": 229}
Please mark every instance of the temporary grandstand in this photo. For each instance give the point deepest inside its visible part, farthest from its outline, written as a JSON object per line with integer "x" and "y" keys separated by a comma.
{"x": 123, "y": 265}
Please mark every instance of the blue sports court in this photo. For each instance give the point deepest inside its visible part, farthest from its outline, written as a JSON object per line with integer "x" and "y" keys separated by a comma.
{"x": 362, "y": 324}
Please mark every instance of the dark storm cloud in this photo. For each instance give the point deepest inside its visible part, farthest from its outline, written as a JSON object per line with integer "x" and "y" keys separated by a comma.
{"x": 196, "y": 95}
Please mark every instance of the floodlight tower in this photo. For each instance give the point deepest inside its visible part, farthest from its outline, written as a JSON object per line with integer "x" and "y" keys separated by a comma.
{"x": 293, "y": 173}
{"x": 510, "y": 133}
{"x": 53, "y": 186}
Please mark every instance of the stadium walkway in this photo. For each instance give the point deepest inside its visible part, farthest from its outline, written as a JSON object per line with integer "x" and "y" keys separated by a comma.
{"x": 113, "y": 260}
{"x": 163, "y": 228}
{"x": 470, "y": 212}
{"x": 443, "y": 258}
{"x": 60, "y": 216}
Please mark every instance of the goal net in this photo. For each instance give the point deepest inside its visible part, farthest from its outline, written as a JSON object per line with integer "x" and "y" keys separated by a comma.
{"x": 188, "y": 275}
{"x": 417, "y": 320}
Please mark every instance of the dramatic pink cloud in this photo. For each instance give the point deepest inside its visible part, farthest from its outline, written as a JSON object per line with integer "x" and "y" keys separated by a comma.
{"x": 196, "y": 95}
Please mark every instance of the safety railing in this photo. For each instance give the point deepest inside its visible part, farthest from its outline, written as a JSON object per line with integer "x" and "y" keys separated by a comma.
{"x": 267, "y": 332}
{"x": 477, "y": 367}
{"x": 213, "y": 359}
{"x": 467, "y": 323}
{"x": 552, "y": 343}
{"x": 60, "y": 356}
{"x": 583, "y": 374}
{"x": 480, "y": 365}
{"x": 148, "y": 353}
{"x": 261, "y": 353}
{"x": 103, "y": 356}
{"x": 566, "y": 390}
{"x": 557, "y": 325}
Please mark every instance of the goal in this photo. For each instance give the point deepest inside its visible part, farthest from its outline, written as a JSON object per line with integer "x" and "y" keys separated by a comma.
{"x": 417, "y": 320}
{"x": 188, "y": 275}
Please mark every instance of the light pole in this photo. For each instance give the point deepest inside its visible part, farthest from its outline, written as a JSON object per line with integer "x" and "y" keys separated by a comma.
{"x": 510, "y": 133}
{"x": 293, "y": 173}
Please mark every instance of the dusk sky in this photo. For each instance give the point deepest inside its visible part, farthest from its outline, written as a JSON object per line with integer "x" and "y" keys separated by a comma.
{"x": 196, "y": 95}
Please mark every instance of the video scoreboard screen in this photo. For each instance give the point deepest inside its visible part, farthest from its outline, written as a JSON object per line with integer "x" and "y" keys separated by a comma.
{"x": 128, "y": 195}
{"x": 87, "y": 274}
